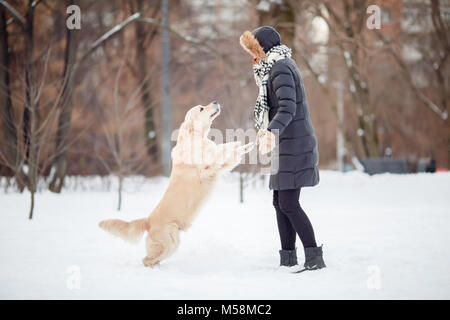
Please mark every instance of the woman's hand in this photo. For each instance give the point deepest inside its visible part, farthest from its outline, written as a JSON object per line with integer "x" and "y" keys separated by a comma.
{"x": 265, "y": 141}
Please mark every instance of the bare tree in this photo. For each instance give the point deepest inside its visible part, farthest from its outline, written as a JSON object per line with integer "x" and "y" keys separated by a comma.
{"x": 124, "y": 154}
{"x": 9, "y": 150}
{"x": 144, "y": 38}
{"x": 432, "y": 42}
{"x": 71, "y": 67}
{"x": 29, "y": 152}
{"x": 65, "y": 105}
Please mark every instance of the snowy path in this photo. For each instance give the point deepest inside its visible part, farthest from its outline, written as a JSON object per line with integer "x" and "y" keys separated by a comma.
{"x": 385, "y": 237}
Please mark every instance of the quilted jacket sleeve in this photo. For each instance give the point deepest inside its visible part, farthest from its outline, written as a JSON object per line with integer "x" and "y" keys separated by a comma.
{"x": 283, "y": 85}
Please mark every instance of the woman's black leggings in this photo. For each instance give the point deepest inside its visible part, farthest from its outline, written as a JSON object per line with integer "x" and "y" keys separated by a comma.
{"x": 292, "y": 219}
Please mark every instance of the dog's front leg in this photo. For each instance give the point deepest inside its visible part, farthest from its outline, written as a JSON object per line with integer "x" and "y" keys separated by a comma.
{"x": 226, "y": 155}
{"x": 234, "y": 155}
{"x": 212, "y": 158}
{"x": 225, "y": 150}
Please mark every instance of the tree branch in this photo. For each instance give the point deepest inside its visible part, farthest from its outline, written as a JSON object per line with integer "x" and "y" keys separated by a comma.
{"x": 422, "y": 97}
{"x": 185, "y": 38}
{"x": 13, "y": 12}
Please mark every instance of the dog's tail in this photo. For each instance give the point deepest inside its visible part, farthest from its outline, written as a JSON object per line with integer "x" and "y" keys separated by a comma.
{"x": 129, "y": 231}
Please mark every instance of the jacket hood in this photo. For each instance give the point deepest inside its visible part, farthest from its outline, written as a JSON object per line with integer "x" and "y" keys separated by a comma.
{"x": 260, "y": 41}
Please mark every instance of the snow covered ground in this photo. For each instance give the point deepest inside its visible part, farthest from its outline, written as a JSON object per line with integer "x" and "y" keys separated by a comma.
{"x": 385, "y": 237}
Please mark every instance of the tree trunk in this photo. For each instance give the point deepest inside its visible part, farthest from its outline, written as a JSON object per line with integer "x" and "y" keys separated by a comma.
{"x": 65, "y": 116}
{"x": 12, "y": 156}
{"x": 141, "y": 34}
{"x": 119, "y": 202}
{"x": 241, "y": 187}
{"x": 166, "y": 114}
{"x": 30, "y": 216}
{"x": 441, "y": 72}
{"x": 282, "y": 16}
{"x": 29, "y": 79}
{"x": 31, "y": 107}
{"x": 366, "y": 120}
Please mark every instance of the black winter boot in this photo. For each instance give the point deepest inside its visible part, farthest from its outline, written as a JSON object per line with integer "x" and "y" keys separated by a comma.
{"x": 314, "y": 258}
{"x": 288, "y": 258}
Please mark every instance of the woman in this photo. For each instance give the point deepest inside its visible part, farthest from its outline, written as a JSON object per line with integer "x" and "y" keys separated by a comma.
{"x": 281, "y": 109}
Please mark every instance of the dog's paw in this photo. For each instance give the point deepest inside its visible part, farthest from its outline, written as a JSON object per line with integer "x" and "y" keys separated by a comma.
{"x": 150, "y": 262}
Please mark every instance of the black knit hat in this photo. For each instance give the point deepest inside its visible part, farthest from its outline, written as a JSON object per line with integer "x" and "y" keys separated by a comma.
{"x": 267, "y": 37}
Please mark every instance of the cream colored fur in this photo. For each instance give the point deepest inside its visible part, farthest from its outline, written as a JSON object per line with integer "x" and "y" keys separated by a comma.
{"x": 197, "y": 162}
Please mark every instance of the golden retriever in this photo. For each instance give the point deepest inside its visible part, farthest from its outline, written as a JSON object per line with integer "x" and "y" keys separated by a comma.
{"x": 197, "y": 162}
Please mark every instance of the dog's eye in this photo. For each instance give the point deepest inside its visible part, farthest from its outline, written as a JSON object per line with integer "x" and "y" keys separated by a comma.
{"x": 201, "y": 109}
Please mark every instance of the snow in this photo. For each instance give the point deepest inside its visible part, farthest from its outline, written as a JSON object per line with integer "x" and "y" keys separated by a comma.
{"x": 385, "y": 237}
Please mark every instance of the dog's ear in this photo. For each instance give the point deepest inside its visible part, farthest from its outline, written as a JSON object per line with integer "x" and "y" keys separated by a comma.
{"x": 181, "y": 153}
{"x": 189, "y": 123}
{"x": 186, "y": 128}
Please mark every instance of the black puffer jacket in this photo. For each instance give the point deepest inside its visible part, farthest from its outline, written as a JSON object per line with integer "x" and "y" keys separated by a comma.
{"x": 289, "y": 113}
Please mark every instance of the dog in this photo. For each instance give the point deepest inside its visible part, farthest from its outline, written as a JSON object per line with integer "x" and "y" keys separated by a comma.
{"x": 197, "y": 162}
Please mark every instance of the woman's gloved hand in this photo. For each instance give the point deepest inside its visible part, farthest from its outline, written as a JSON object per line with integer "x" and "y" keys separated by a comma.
{"x": 265, "y": 141}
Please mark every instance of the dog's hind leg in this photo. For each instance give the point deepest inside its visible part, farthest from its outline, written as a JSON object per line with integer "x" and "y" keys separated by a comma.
{"x": 161, "y": 244}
